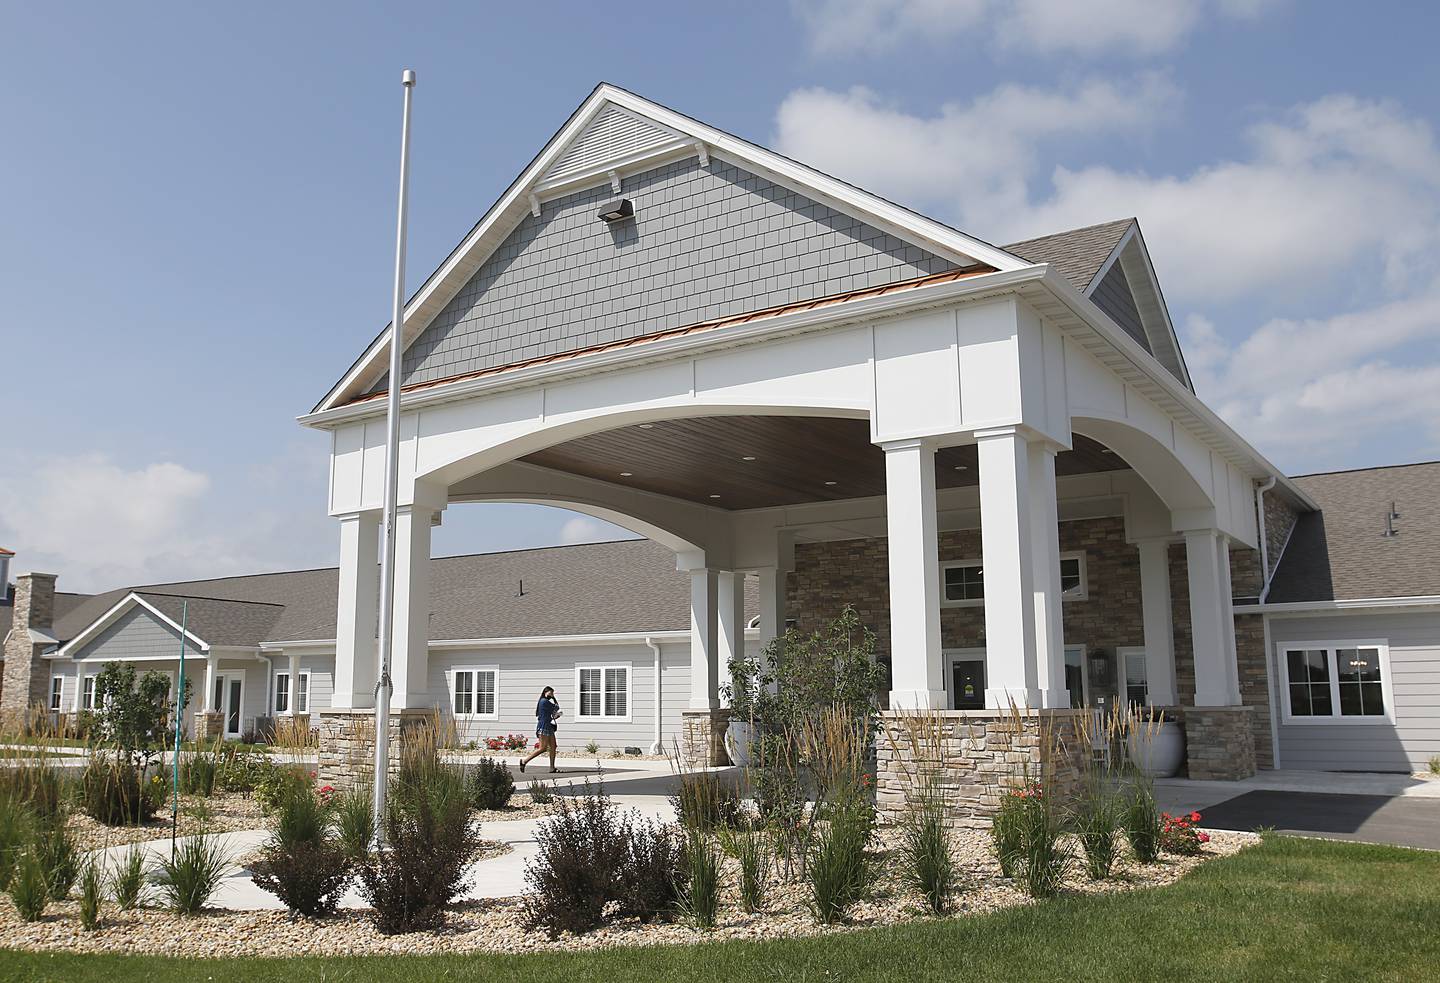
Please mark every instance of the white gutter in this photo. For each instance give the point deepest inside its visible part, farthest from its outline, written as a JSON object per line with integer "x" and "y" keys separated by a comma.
{"x": 1260, "y": 491}
{"x": 659, "y": 746}
{"x": 1346, "y": 604}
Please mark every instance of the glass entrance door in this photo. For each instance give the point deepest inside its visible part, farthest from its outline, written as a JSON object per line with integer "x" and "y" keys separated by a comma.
{"x": 967, "y": 684}
{"x": 234, "y": 691}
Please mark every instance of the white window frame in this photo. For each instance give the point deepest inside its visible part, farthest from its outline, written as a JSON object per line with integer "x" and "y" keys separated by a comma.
{"x": 450, "y": 675}
{"x": 1082, "y": 592}
{"x": 613, "y": 718}
{"x": 57, "y": 694}
{"x": 1331, "y": 646}
{"x": 1123, "y": 655}
{"x": 291, "y": 707}
{"x": 966, "y": 602}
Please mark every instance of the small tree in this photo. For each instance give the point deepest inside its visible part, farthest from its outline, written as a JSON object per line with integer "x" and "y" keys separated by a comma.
{"x": 134, "y": 714}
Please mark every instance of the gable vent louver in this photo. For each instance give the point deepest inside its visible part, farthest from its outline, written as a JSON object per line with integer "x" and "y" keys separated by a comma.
{"x": 615, "y": 134}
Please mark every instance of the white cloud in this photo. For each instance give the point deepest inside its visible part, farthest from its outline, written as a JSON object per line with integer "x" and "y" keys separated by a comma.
{"x": 1133, "y": 27}
{"x": 584, "y": 529}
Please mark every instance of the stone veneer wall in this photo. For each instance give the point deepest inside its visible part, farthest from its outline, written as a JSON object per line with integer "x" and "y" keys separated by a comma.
{"x": 702, "y": 739}
{"x": 973, "y": 757}
{"x": 1220, "y": 743}
{"x": 26, "y": 680}
{"x": 346, "y": 748}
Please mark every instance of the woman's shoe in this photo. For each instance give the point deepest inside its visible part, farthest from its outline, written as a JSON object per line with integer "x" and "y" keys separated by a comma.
{"x": 522, "y": 766}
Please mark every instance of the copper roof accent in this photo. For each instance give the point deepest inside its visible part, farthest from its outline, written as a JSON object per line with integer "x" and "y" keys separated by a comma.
{"x": 724, "y": 322}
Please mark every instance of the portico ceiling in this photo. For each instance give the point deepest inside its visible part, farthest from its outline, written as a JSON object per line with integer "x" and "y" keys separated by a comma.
{"x": 751, "y": 462}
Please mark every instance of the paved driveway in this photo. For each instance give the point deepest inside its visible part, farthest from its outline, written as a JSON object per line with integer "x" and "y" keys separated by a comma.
{"x": 1400, "y": 820}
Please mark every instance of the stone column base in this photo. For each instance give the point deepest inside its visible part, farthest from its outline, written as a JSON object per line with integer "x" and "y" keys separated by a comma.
{"x": 346, "y": 747}
{"x": 1219, "y": 743}
{"x": 702, "y": 742}
{"x": 209, "y": 725}
{"x": 973, "y": 757}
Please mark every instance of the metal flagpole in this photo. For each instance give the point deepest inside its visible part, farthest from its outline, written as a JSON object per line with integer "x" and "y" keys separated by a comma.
{"x": 179, "y": 724}
{"x": 383, "y": 685}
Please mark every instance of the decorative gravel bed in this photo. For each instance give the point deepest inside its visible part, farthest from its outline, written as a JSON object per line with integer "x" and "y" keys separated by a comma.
{"x": 224, "y": 812}
{"x": 521, "y": 806}
{"x": 498, "y": 925}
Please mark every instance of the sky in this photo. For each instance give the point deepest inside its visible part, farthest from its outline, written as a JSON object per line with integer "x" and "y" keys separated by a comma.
{"x": 198, "y": 199}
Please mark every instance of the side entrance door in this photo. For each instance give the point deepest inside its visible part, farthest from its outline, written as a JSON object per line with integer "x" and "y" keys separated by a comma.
{"x": 229, "y": 699}
{"x": 966, "y": 679}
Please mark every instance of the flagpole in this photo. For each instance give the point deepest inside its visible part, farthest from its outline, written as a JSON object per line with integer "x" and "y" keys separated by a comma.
{"x": 179, "y": 727}
{"x": 383, "y": 685}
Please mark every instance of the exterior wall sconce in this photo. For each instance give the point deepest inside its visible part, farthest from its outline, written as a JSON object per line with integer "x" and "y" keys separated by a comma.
{"x": 617, "y": 210}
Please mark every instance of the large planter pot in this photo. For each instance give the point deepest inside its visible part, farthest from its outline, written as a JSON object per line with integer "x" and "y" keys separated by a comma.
{"x": 739, "y": 737}
{"x": 1161, "y": 755}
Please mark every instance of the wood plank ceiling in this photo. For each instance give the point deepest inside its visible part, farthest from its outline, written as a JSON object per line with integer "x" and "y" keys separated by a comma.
{"x": 750, "y": 462}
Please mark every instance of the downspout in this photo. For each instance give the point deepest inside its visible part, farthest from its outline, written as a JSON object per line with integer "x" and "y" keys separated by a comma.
{"x": 1260, "y": 491}
{"x": 659, "y": 746}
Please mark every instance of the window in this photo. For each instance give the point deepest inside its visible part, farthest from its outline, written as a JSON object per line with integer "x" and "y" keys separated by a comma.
{"x": 474, "y": 691}
{"x": 300, "y": 695}
{"x": 1137, "y": 683}
{"x": 1336, "y": 681}
{"x": 604, "y": 692}
{"x": 57, "y": 687}
{"x": 963, "y": 583}
{"x": 89, "y": 698}
{"x": 1073, "y": 586}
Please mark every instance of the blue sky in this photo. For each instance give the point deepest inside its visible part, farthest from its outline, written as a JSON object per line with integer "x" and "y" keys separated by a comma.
{"x": 199, "y": 202}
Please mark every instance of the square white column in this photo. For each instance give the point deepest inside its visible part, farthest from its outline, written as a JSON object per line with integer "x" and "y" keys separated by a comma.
{"x": 1157, "y": 611}
{"x": 1045, "y": 594}
{"x": 212, "y": 670}
{"x": 730, "y": 622}
{"x": 294, "y": 669}
{"x": 355, "y": 624}
{"x": 1227, "y": 617}
{"x": 704, "y": 646}
{"x": 771, "y": 583}
{"x": 1210, "y": 618}
{"x": 916, "y": 672}
{"x": 1011, "y": 664}
{"x": 410, "y": 634}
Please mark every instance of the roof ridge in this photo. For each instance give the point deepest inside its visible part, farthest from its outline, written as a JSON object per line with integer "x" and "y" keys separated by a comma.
{"x": 202, "y": 597}
{"x": 1373, "y": 467}
{"x": 1066, "y": 232}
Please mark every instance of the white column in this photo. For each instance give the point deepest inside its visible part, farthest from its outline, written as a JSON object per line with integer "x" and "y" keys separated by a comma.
{"x": 704, "y": 650}
{"x": 917, "y": 676}
{"x": 1012, "y": 672}
{"x": 730, "y": 622}
{"x": 212, "y": 669}
{"x": 356, "y": 618}
{"x": 1045, "y": 595}
{"x": 1157, "y": 610}
{"x": 1209, "y": 618}
{"x": 772, "y": 603}
{"x": 294, "y": 668}
{"x": 1227, "y": 618}
{"x": 410, "y": 641}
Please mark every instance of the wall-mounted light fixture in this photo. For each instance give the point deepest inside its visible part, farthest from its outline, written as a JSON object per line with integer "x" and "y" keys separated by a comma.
{"x": 617, "y": 210}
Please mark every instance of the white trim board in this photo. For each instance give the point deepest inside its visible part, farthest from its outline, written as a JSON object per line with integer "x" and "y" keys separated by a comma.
{"x": 109, "y": 618}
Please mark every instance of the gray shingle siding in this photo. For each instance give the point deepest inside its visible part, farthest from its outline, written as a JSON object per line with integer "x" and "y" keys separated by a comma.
{"x": 1112, "y": 295}
{"x": 136, "y": 634}
{"x": 705, "y": 243}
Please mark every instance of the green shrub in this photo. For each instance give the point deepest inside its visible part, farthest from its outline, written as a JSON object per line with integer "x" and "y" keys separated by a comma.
{"x": 579, "y": 866}
{"x": 35, "y": 784}
{"x": 1096, "y": 822}
{"x": 1044, "y": 860}
{"x": 838, "y": 871}
{"x": 275, "y": 784}
{"x": 707, "y": 801}
{"x": 198, "y": 773}
{"x": 55, "y": 849}
{"x": 1142, "y": 823}
{"x": 429, "y": 839}
{"x": 29, "y": 888}
{"x": 700, "y": 897}
{"x": 127, "y": 884}
{"x": 1007, "y": 834}
{"x": 752, "y": 852}
{"x": 541, "y": 793}
{"x": 189, "y": 878}
{"x": 300, "y": 815}
{"x": 92, "y": 892}
{"x": 240, "y": 768}
{"x": 654, "y": 865}
{"x": 355, "y": 821}
{"x": 17, "y": 828}
{"x": 115, "y": 791}
{"x": 592, "y": 748}
{"x": 491, "y": 784}
{"x": 1435, "y": 764}
{"x": 308, "y": 877}
{"x": 926, "y": 863}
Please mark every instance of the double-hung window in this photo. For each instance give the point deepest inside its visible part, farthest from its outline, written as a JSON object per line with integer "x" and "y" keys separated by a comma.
{"x": 1330, "y": 681}
{"x": 474, "y": 691}
{"x": 57, "y": 688}
{"x": 292, "y": 698}
{"x": 282, "y": 692}
{"x": 604, "y": 692}
{"x": 90, "y": 699}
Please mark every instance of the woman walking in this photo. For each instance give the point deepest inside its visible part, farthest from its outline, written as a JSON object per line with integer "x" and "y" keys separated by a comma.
{"x": 547, "y": 711}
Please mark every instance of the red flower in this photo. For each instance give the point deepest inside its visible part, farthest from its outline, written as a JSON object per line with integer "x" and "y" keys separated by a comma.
{"x": 1203, "y": 837}
{"x": 1194, "y": 817}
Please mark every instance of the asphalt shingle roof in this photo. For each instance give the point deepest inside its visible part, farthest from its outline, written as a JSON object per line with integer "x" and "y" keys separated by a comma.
{"x": 1341, "y": 552}
{"x": 1078, "y": 254}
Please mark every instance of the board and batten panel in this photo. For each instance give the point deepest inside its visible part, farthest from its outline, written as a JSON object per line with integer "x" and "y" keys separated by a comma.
{"x": 1412, "y": 739}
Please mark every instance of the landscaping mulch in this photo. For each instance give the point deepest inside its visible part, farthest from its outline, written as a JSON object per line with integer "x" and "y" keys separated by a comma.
{"x": 223, "y": 812}
{"x": 499, "y": 925}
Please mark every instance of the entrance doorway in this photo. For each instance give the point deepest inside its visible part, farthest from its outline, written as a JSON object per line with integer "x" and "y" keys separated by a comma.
{"x": 229, "y": 700}
{"x": 965, "y": 679}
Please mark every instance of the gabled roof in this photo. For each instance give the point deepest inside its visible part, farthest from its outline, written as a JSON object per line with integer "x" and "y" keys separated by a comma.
{"x": 1078, "y": 255}
{"x": 1342, "y": 553}
{"x": 615, "y": 132}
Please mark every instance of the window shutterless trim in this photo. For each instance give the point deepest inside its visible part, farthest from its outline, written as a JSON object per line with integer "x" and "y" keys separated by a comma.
{"x": 475, "y": 671}
{"x": 614, "y": 718}
{"x": 1080, "y": 593}
{"x": 1332, "y": 668}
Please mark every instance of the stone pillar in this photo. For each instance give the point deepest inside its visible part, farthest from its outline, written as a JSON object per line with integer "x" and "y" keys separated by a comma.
{"x": 1045, "y": 546}
{"x": 917, "y": 677}
{"x": 1157, "y": 611}
{"x": 26, "y": 681}
{"x": 1219, "y": 742}
{"x": 410, "y": 637}
{"x": 702, "y": 742}
{"x": 1011, "y": 662}
{"x": 729, "y": 622}
{"x": 346, "y": 744}
{"x": 1210, "y": 621}
{"x": 355, "y": 626}
{"x": 704, "y": 646}
{"x": 973, "y": 757}
{"x": 209, "y": 725}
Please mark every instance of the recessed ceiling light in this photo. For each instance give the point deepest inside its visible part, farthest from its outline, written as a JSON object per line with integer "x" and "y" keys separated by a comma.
{"x": 748, "y": 457}
{"x": 714, "y": 496}
{"x": 830, "y": 482}
{"x": 647, "y": 426}
{"x": 627, "y": 474}
{"x": 1106, "y": 450}
{"x": 962, "y": 467}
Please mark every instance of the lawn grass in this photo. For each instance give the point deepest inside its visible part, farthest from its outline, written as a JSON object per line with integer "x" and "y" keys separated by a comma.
{"x": 1289, "y": 909}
